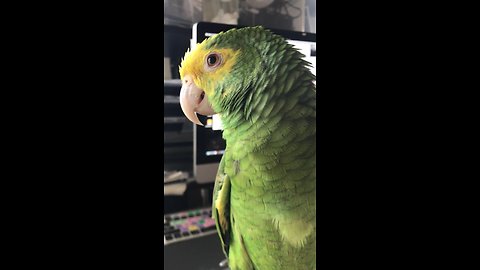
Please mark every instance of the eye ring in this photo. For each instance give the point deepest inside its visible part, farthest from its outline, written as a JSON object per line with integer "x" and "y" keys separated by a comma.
{"x": 213, "y": 60}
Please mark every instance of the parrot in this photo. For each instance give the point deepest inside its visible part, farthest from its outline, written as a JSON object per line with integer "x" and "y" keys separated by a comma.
{"x": 264, "y": 196}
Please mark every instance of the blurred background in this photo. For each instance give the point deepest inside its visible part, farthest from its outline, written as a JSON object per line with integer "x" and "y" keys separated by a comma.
{"x": 192, "y": 153}
{"x": 180, "y": 16}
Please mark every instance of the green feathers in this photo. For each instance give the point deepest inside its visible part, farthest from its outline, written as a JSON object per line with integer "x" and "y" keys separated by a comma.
{"x": 264, "y": 201}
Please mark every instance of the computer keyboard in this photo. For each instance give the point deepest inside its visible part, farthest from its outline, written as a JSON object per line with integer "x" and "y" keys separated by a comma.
{"x": 187, "y": 225}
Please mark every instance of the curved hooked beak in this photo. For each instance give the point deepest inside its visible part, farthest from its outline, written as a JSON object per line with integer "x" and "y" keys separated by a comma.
{"x": 193, "y": 100}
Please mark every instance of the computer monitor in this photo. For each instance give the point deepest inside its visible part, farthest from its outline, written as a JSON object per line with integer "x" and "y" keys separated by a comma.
{"x": 208, "y": 143}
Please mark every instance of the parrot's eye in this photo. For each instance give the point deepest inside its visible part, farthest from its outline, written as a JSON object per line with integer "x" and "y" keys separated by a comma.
{"x": 213, "y": 60}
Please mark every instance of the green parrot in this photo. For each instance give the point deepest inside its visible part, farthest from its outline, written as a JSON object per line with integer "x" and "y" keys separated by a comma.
{"x": 264, "y": 202}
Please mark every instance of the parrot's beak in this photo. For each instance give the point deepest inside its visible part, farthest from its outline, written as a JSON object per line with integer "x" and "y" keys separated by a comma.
{"x": 193, "y": 100}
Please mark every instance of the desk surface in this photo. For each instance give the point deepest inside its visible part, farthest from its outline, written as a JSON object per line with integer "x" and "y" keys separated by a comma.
{"x": 202, "y": 253}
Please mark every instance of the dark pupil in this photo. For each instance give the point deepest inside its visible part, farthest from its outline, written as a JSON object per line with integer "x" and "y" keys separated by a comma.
{"x": 212, "y": 59}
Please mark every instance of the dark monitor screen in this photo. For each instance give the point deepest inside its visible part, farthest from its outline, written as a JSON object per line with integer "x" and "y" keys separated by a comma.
{"x": 210, "y": 144}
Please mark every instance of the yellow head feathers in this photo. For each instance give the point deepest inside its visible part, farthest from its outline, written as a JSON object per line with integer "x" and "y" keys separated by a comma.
{"x": 194, "y": 64}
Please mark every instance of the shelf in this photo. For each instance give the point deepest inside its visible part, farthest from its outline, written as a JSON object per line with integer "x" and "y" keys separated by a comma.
{"x": 174, "y": 120}
{"x": 171, "y": 99}
{"x": 175, "y": 82}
